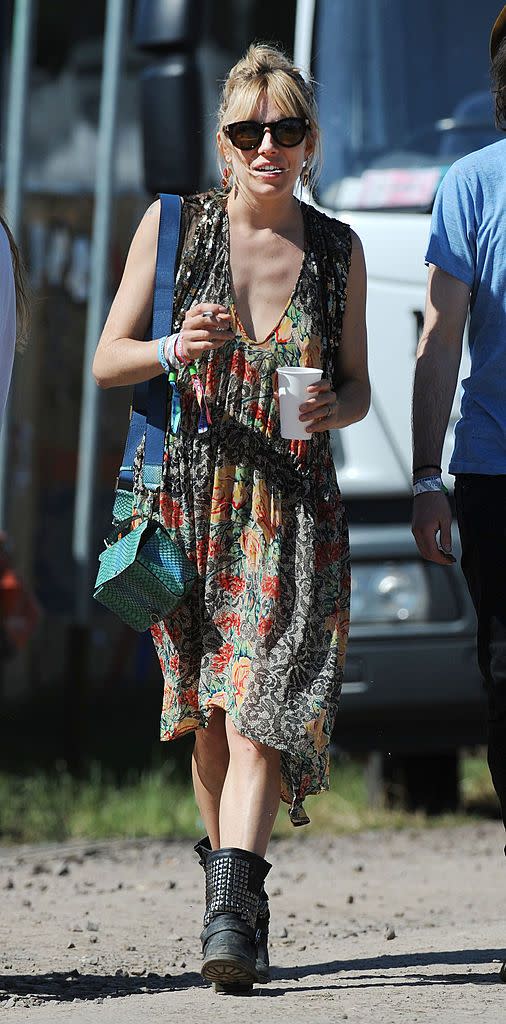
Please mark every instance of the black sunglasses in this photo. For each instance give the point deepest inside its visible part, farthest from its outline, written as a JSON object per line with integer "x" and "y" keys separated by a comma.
{"x": 289, "y": 131}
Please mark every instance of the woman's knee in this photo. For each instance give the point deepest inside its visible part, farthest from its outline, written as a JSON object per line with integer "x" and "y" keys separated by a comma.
{"x": 243, "y": 747}
{"x": 213, "y": 739}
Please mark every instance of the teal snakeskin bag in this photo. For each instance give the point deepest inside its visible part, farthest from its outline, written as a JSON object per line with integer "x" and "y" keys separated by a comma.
{"x": 143, "y": 574}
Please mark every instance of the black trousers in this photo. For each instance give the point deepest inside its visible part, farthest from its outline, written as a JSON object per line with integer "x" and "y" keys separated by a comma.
{"x": 481, "y": 515}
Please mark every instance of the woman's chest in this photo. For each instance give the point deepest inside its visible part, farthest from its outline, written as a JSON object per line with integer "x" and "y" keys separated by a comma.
{"x": 263, "y": 280}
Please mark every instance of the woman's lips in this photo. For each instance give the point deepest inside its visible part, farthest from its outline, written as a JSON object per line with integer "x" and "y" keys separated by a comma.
{"x": 269, "y": 170}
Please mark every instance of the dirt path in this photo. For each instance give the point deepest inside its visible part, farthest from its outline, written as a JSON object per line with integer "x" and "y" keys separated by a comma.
{"x": 108, "y": 933}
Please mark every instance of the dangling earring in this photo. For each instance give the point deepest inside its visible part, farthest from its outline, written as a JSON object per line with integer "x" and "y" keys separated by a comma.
{"x": 225, "y": 175}
{"x": 305, "y": 175}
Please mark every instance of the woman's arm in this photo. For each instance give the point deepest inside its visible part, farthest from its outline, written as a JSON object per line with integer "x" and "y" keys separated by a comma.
{"x": 354, "y": 391}
{"x": 350, "y": 402}
{"x": 122, "y": 357}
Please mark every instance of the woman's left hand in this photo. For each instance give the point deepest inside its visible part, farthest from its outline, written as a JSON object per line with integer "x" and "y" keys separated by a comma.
{"x": 320, "y": 410}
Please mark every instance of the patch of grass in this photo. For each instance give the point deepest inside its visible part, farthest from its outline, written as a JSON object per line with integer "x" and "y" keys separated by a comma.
{"x": 478, "y": 795}
{"x": 44, "y": 808}
{"x": 56, "y": 807}
{"x": 345, "y": 808}
{"x": 153, "y": 806}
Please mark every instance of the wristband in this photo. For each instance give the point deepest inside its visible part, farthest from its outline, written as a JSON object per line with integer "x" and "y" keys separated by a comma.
{"x": 171, "y": 358}
{"x": 428, "y": 484}
{"x": 178, "y": 351}
{"x": 166, "y": 357}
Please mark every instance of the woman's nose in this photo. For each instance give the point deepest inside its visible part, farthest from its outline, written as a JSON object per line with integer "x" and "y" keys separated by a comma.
{"x": 267, "y": 144}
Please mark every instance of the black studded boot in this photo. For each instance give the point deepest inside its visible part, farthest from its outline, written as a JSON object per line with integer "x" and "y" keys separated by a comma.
{"x": 262, "y": 938}
{"x": 203, "y": 849}
{"x": 234, "y": 879}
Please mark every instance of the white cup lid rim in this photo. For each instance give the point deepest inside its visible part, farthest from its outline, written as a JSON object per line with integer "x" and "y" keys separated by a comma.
{"x": 299, "y": 369}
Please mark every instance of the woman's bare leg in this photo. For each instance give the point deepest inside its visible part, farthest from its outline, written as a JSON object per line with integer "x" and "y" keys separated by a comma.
{"x": 209, "y": 768}
{"x": 250, "y": 794}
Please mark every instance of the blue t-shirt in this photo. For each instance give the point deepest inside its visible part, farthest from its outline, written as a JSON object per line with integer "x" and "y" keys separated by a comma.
{"x": 468, "y": 241}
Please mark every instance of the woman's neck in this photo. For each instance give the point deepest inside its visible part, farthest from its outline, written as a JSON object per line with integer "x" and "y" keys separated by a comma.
{"x": 276, "y": 214}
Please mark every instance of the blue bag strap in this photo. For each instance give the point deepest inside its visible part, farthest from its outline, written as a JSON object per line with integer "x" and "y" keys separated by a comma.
{"x": 149, "y": 401}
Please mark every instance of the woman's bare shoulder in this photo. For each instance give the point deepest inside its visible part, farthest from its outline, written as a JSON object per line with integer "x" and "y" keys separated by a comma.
{"x": 147, "y": 231}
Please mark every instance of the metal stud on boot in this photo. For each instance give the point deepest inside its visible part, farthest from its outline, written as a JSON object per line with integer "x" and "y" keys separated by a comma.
{"x": 203, "y": 849}
{"x": 234, "y": 879}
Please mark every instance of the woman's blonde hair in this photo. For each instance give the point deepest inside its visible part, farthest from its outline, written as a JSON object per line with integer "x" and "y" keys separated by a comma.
{"x": 22, "y": 304}
{"x": 266, "y": 71}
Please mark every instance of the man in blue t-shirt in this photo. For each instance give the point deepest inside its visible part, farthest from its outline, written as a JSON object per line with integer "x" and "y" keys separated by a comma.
{"x": 467, "y": 274}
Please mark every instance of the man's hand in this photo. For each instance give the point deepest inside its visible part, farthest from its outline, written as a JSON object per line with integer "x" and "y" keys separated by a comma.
{"x": 432, "y": 515}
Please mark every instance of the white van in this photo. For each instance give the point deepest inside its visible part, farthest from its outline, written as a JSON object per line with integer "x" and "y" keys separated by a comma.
{"x": 403, "y": 91}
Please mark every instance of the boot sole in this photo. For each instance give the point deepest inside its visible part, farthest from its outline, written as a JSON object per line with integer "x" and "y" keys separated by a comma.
{"x": 227, "y": 970}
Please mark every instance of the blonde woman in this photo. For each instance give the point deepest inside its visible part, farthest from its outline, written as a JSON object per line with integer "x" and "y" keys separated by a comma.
{"x": 12, "y": 300}
{"x": 253, "y": 660}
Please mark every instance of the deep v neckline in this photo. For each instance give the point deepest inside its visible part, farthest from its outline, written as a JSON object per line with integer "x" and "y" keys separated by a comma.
{"x": 230, "y": 289}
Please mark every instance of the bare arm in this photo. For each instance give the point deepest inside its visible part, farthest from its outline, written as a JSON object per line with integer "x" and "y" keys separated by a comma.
{"x": 438, "y": 359}
{"x": 122, "y": 357}
{"x": 352, "y": 400}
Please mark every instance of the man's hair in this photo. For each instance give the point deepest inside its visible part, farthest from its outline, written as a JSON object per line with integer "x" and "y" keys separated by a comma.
{"x": 499, "y": 84}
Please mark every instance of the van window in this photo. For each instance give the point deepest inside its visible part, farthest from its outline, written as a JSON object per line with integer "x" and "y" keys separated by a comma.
{"x": 402, "y": 86}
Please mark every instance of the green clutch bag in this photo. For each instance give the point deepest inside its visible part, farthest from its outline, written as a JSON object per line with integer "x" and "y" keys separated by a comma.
{"x": 143, "y": 575}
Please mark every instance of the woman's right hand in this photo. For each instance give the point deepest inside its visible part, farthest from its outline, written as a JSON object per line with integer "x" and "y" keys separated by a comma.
{"x": 205, "y": 326}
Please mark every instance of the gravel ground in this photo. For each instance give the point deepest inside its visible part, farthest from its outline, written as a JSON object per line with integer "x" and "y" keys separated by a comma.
{"x": 381, "y": 926}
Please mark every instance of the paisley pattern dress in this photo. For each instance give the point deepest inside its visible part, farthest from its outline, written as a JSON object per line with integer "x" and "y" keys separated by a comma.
{"x": 263, "y": 633}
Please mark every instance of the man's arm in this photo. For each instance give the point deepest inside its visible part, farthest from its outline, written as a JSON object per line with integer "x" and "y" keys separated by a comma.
{"x": 437, "y": 365}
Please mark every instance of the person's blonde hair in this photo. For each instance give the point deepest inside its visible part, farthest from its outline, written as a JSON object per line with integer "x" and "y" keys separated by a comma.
{"x": 266, "y": 71}
{"x": 22, "y": 304}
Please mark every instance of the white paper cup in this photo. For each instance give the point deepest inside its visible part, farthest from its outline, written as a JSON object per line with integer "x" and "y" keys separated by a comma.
{"x": 293, "y": 381}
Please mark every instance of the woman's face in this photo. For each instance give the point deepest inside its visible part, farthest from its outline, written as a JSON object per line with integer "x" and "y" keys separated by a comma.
{"x": 270, "y": 170}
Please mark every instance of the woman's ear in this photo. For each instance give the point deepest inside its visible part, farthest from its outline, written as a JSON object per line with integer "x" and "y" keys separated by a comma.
{"x": 223, "y": 148}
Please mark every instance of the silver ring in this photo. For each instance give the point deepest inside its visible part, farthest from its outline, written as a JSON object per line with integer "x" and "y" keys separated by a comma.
{"x": 208, "y": 314}
{"x": 329, "y": 412}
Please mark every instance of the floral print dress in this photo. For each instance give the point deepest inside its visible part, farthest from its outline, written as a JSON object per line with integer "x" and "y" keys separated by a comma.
{"x": 263, "y": 633}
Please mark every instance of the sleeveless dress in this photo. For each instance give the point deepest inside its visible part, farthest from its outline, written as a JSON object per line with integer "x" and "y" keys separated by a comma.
{"x": 263, "y": 633}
